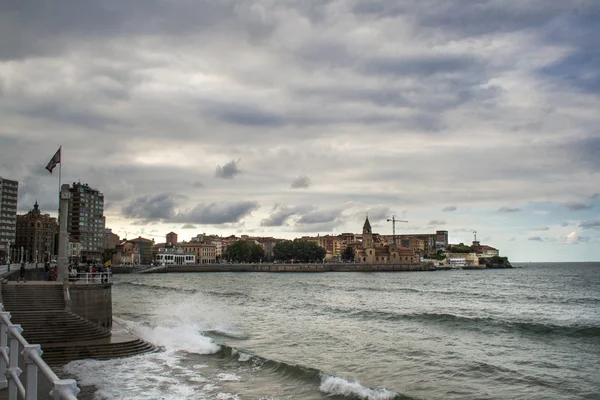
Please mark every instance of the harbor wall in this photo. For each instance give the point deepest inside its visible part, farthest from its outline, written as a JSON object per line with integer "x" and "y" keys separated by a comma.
{"x": 93, "y": 302}
{"x": 329, "y": 267}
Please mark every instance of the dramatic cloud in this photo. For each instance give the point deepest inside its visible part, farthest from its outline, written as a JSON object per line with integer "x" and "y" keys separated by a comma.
{"x": 301, "y": 182}
{"x": 217, "y": 213}
{"x": 160, "y": 206}
{"x": 579, "y": 206}
{"x": 508, "y": 210}
{"x": 403, "y": 108}
{"x": 590, "y": 224}
{"x": 320, "y": 216}
{"x": 228, "y": 171}
{"x": 281, "y": 214}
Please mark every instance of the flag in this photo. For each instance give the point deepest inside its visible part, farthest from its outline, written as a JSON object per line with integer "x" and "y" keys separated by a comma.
{"x": 54, "y": 161}
{"x": 107, "y": 264}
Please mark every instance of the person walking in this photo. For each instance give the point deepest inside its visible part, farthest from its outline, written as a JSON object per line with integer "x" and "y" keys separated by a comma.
{"x": 22, "y": 273}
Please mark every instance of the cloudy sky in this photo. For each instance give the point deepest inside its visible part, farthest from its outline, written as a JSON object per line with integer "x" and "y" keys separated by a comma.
{"x": 288, "y": 118}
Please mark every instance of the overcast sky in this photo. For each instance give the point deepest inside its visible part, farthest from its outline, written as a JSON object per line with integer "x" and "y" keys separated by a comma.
{"x": 289, "y": 118}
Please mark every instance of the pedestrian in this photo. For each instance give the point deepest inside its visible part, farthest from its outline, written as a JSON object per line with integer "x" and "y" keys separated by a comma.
{"x": 46, "y": 271}
{"x": 22, "y": 273}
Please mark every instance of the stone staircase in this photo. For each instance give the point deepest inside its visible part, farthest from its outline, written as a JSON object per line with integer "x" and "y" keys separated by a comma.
{"x": 39, "y": 308}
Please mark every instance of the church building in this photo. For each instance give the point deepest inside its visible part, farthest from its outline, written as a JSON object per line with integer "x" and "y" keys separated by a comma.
{"x": 371, "y": 251}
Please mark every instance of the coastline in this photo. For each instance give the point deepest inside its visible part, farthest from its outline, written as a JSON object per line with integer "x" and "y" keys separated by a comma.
{"x": 316, "y": 268}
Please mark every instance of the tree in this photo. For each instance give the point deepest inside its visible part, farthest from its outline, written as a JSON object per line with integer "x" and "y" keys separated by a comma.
{"x": 298, "y": 250}
{"x": 244, "y": 252}
{"x": 460, "y": 248}
{"x": 284, "y": 250}
{"x": 348, "y": 254}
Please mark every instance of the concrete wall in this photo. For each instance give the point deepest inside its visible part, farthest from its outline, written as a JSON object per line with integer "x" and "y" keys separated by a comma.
{"x": 297, "y": 268}
{"x": 93, "y": 302}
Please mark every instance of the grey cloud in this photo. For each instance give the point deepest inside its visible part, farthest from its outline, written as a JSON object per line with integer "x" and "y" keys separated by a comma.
{"x": 217, "y": 213}
{"x": 301, "y": 182}
{"x": 320, "y": 216}
{"x": 449, "y": 209}
{"x": 378, "y": 213}
{"x": 188, "y": 226}
{"x": 281, "y": 214}
{"x": 579, "y": 206}
{"x": 436, "y": 222}
{"x": 423, "y": 66}
{"x": 589, "y": 224}
{"x": 543, "y": 228}
{"x": 160, "y": 206}
{"x": 508, "y": 210}
{"x": 198, "y": 184}
{"x": 536, "y": 239}
{"x": 228, "y": 171}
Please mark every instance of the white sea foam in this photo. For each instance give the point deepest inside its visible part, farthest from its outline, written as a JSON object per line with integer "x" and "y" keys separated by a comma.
{"x": 245, "y": 357}
{"x": 227, "y": 396}
{"x": 341, "y": 387}
{"x": 228, "y": 377}
{"x": 141, "y": 377}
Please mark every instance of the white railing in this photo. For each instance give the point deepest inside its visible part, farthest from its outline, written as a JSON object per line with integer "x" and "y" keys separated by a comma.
{"x": 92, "y": 277}
{"x": 11, "y": 342}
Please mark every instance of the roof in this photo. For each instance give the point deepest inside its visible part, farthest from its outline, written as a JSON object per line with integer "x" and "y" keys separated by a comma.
{"x": 484, "y": 247}
{"x": 367, "y": 226}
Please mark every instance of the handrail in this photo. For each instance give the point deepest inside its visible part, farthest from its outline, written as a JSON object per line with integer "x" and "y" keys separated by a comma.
{"x": 92, "y": 277}
{"x": 11, "y": 341}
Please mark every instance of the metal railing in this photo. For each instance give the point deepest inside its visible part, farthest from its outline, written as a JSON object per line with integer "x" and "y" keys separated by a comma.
{"x": 92, "y": 277}
{"x": 11, "y": 343}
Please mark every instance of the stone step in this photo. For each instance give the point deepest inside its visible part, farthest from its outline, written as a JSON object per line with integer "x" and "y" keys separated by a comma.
{"x": 62, "y": 355}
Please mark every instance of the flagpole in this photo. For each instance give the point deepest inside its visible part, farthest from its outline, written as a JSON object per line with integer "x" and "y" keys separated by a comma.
{"x": 59, "y": 181}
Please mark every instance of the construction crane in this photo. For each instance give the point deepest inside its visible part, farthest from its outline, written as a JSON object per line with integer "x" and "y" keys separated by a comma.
{"x": 393, "y": 220}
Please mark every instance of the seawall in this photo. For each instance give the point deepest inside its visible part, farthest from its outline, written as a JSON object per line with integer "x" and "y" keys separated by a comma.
{"x": 341, "y": 267}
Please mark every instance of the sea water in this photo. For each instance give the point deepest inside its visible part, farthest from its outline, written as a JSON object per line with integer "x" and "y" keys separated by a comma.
{"x": 531, "y": 332}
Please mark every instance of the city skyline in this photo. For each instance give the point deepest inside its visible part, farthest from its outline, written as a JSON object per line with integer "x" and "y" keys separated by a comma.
{"x": 295, "y": 119}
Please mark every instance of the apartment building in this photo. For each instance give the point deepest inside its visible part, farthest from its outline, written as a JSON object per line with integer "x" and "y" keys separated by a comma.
{"x": 9, "y": 191}
{"x": 86, "y": 221}
{"x": 36, "y": 235}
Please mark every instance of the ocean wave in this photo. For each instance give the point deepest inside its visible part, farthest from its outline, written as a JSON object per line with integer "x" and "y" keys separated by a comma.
{"x": 333, "y": 385}
{"x": 184, "y": 290}
{"x": 539, "y": 328}
{"x": 225, "y": 333}
{"x": 155, "y": 287}
{"x": 183, "y": 337}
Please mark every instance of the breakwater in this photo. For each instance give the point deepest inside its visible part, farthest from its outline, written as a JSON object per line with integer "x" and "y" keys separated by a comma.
{"x": 329, "y": 267}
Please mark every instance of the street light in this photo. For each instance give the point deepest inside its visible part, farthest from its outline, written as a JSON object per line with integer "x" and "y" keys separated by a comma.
{"x": 393, "y": 220}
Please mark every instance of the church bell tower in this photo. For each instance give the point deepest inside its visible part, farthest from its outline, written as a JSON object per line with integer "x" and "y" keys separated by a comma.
{"x": 367, "y": 239}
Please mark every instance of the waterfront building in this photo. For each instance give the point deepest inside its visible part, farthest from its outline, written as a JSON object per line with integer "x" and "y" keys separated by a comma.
{"x": 36, "y": 235}
{"x": 139, "y": 250}
{"x": 441, "y": 240}
{"x": 86, "y": 221}
{"x": 205, "y": 253}
{"x": 110, "y": 239}
{"x": 9, "y": 191}
{"x": 171, "y": 239}
{"x": 484, "y": 251}
{"x": 74, "y": 251}
{"x": 173, "y": 256}
{"x": 371, "y": 253}
{"x": 462, "y": 260}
